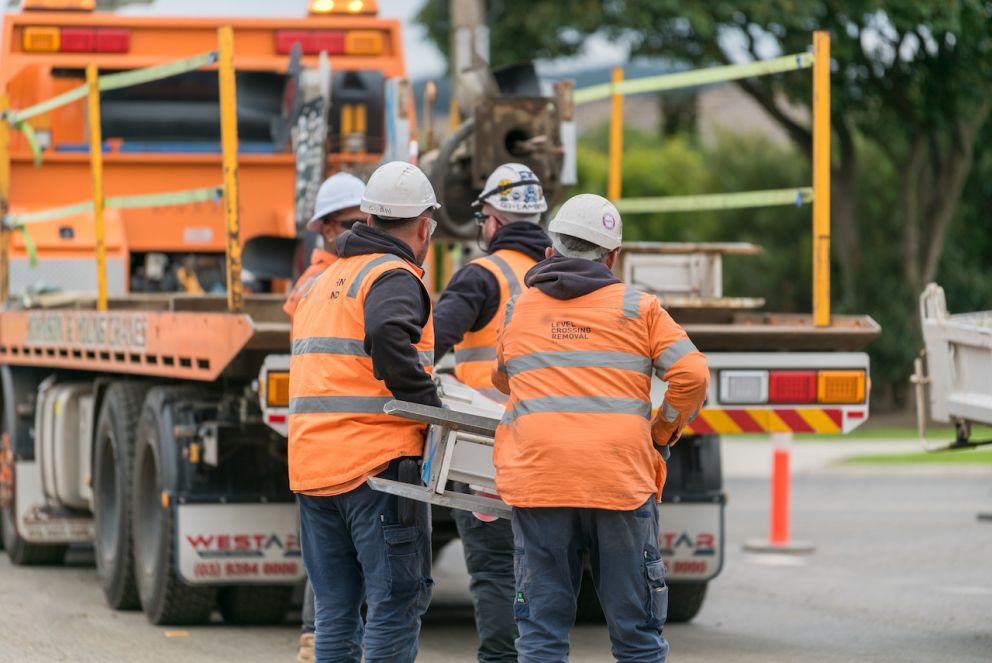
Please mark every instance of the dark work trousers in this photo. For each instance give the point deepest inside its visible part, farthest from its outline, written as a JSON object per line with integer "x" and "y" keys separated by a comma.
{"x": 309, "y": 611}
{"x": 355, "y": 549}
{"x": 489, "y": 558}
{"x": 627, "y": 571}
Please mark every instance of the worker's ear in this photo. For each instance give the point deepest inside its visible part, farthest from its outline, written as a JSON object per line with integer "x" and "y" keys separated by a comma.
{"x": 549, "y": 252}
{"x": 611, "y": 257}
{"x": 368, "y": 219}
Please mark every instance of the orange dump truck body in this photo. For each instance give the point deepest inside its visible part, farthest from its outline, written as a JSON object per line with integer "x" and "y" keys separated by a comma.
{"x": 161, "y": 138}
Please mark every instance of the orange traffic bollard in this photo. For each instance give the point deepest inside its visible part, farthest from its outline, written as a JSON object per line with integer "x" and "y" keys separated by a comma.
{"x": 778, "y": 540}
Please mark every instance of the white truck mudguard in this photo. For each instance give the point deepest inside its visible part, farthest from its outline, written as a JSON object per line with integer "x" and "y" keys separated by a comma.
{"x": 225, "y": 544}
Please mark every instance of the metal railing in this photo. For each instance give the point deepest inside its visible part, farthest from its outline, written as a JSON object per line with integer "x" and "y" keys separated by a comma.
{"x": 223, "y": 58}
{"x": 818, "y": 194}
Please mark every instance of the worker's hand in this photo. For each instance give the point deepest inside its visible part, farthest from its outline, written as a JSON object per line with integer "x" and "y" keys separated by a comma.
{"x": 664, "y": 433}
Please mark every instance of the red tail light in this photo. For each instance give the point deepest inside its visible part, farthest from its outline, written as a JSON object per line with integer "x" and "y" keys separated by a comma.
{"x": 78, "y": 40}
{"x": 111, "y": 40}
{"x": 792, "y": 386}
{"x": 311, "y": 42}
{"x": 95, "y": 40}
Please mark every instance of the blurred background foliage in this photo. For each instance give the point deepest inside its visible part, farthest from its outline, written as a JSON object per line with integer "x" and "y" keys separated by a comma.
{"x": 912, "y": 171}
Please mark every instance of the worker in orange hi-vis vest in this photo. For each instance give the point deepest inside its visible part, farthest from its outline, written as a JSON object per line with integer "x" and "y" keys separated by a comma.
{"x": 466, "y": 318}
{"x": 578, "y": 455}
{"x": 335, "y": 211}
{"x": 363, "y": 335}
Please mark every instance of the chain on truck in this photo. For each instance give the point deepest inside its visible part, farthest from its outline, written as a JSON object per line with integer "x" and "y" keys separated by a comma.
{"x": 130, "y": 419}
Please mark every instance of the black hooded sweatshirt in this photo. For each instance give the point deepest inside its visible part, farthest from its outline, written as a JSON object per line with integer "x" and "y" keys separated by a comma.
{"x": 472, "y": 297}
{"x": 397, "y": 308}
{"x": 568, "y": 278}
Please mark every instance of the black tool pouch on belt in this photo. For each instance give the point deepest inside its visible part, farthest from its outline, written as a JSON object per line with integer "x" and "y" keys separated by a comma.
{"x": 408, "y": 472}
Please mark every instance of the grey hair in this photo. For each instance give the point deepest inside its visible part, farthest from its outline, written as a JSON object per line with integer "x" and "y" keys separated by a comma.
{"x": 573, "y": 247}
{"x": 515, "y": 217}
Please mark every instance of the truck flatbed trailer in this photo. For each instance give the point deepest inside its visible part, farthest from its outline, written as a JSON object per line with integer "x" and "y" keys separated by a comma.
{"x": 167, "y": 335}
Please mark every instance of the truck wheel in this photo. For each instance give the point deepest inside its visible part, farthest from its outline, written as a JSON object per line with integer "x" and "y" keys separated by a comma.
{"x": 255, "y": 604}
{"x": 20, "y": 552}
{"x": 165, "y": 598}
{"x": 113, "y": 464}
{"x": 685, "y": 599}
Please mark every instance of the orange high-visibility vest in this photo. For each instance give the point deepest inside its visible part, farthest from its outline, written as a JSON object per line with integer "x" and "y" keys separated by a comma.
{"x": 475, "y": 356}
{"x": 577, "y": 429}
{"x": 337, "y": 430}
{"x": 319, "y": 261}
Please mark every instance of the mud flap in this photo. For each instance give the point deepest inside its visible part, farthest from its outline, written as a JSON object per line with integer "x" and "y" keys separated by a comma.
{"x": 225, "y": 544}
{"x": 691, "y": 540}
{"x": 35, "y": 522}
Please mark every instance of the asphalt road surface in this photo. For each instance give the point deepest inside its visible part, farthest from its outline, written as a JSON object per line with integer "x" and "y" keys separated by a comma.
{"x": 901, "y": 573}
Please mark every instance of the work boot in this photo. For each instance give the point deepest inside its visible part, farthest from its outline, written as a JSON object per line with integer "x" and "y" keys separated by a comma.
{"x": 305, "y": 653}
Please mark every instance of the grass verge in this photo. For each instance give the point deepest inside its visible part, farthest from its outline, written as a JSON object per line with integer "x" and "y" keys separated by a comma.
{"x": 980, "y": 456}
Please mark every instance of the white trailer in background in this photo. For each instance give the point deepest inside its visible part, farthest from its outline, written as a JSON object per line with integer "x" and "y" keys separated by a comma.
{"x": 953, "y": 375}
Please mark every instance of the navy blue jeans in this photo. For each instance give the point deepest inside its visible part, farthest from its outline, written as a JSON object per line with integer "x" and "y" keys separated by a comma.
{"x": 627, "y": 571}
{"x": 489, "y": 558}
{"x": 355, "y": 550}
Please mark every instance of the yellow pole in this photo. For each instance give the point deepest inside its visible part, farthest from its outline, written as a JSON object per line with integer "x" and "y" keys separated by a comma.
{"x": 229, "y": 147}
{"x": 4, "y": 201}
{"x": 96, "y": 169}
{"x": 616, "y": 140}
{"x": 821, "y": 179}
{"x": 454, "y": 121}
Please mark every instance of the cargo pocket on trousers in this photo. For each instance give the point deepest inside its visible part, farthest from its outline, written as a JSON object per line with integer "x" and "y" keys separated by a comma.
{"x": 521, "y": 575}
{"x": 655, "y": 572}
{"x": 402, "y": 558}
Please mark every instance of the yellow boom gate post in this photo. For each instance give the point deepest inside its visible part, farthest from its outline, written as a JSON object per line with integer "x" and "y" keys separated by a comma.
{"x": 818, "y": 194}
{"x": 780, "y": 373}
{"x": 223, "y": 58}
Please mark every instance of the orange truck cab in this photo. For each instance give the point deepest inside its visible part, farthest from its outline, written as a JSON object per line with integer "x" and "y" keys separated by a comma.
{"x": 165, "y": 135}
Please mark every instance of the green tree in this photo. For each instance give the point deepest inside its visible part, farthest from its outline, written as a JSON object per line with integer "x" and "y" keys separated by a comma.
{"x": 911, "y": 76}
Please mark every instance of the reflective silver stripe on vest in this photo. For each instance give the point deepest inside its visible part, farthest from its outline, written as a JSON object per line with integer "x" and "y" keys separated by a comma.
{"x": 508, "y": 273}
{"x": 579, "y": 404}
{"x": 672, "y": 354}
{"x": 369, "y": 266}
{"x": 632, "y": 302}
{"x": 668, "y": 412}
{"x": 579, "y": 359}
{"x": 481, "y": 353}
{"x": 335, "y": 404}
{"x": 332, "y": 345}
{"x": 509, "y": 310}
{"x": 307, "y": 286}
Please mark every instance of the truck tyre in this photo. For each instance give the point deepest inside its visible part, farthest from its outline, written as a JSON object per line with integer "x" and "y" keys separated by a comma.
{"x": 165, "y": 598}
{"x": 21, "y": 552}
{"x": 685, "y": 599}
{"x": 113, "y": 464}
{"x": 253, "y": 605}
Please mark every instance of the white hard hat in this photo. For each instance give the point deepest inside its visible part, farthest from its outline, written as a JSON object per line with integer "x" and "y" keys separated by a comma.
{"x": 513, "y": 187}
{"x": 398, "y": 190}
{"x": 589, "y": 217}
{"x": 339, "y": 191}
